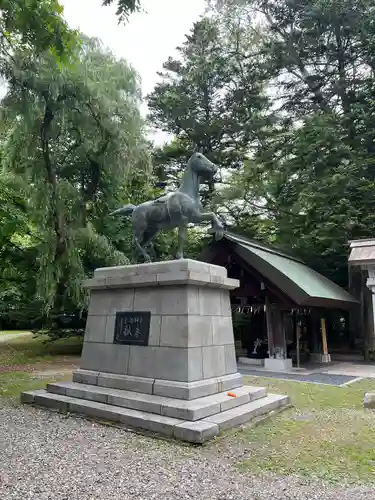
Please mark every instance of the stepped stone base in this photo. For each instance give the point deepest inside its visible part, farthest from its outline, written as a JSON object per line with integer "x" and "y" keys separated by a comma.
{"x": 159, "y": 355}
{"x": 167, "y": 388}
{"x": 194, "y": 421}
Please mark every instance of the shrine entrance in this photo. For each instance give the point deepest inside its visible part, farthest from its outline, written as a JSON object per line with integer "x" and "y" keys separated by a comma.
{"x": 281, "y": 308}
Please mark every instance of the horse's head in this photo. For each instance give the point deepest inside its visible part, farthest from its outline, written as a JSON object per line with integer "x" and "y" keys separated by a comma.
{"x": 203, "y": 167}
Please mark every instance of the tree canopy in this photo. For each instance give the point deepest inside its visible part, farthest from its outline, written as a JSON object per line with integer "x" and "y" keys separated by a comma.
{"x": 73, "y": 147}
{"x": 212, "y": 98}
{"x": 74, "y": 143}
{"x": 291, "y": 103}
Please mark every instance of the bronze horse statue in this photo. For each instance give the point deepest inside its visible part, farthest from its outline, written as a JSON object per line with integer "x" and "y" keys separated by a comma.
{"x": 174, "y": 210}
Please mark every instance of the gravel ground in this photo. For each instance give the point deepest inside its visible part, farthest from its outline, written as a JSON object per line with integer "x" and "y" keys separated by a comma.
{"x": 44, "y": 456}
{"x": 316, "y": 378}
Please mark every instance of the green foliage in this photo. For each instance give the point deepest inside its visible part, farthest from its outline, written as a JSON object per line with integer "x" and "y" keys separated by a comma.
{"x": 17, "y": 252}
{"x": 72, "y": 149}
{"x": 76, "y": 140}
{"x": 36, "y": 25}
{"x": 310, "y": 181}
{"x": 124, "y": 7}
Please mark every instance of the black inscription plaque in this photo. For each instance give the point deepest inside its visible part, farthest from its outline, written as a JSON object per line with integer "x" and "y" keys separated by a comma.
{"x": 132, "y": 328}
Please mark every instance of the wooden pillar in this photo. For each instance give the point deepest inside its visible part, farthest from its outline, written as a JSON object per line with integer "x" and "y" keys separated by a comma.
{"x": 315, "y": 330}
{"x": 276, "y": 330}
{"x": 298, "y": 335}
{"x": 269, "y": 328}
{"x": 283, "y": 332}
{"x": 324, "y": 336}
{"x": 322, "y": 357}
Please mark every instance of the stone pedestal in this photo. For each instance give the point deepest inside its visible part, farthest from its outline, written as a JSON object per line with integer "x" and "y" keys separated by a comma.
{"x": 159, "y": 353}
{"x": 369, "y": 400}
{"x": 251, "y": 361}
{"x": 317, "y": 357}
{"x": 278, "y": 365}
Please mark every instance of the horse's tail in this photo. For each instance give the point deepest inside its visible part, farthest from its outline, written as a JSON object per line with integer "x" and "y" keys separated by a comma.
{"x": 125, "y": 210}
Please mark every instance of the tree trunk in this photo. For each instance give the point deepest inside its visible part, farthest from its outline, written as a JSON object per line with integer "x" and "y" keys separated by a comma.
{"x": 58, "y": 218}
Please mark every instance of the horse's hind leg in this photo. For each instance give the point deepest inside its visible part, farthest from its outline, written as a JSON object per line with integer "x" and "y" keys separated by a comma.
{"x": 136, "y": 239}
{"x": 152, "y": 252}
{"x": 139, "y": 232}
{"x": 148, "y": 238}
{"x": 142, "y": 239}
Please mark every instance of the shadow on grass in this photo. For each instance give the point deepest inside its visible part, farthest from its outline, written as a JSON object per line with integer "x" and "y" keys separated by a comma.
{"x": 31, "y": 350}
{"x": 23, "y": 360}
{"x": 13, "y": 332}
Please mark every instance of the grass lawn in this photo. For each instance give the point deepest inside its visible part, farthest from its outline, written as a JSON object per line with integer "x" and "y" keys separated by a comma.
{"x": 326, "y": 435}
{"x": 13, "y": 383}
{"x": 23, "y": 360}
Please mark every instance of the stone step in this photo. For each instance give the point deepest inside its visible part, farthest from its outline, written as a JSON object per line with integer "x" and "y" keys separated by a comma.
{"x": 240, "y": 415}
{"x": 191, "y": 410}
{"x": 189, "y": 431}
{"x": 195, "y": 432}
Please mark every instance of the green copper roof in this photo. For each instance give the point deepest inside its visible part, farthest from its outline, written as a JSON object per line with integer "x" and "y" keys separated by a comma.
{"x": 299, "y": 282}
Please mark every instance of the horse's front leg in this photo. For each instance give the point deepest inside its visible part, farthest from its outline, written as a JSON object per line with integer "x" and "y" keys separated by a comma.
{"x": 217, "y": 227}
{"x": 181, "y": 241}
